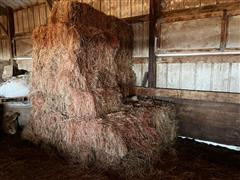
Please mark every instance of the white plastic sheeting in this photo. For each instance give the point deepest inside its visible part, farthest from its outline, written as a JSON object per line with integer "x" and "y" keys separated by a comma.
{"x": 15, "y": 87}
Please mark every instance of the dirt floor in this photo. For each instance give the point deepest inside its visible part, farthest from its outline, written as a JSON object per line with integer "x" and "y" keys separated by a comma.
{"x": 191, "y": 160}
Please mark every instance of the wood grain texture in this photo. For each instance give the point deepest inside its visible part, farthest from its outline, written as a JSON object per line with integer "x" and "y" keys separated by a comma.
{"x": 190, "y": 95}
{"x": 217, "y": 122}
{"x": 190, "y": 35}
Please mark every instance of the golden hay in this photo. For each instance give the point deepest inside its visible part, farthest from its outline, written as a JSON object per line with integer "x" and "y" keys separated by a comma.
{"x": 82, "y": 71}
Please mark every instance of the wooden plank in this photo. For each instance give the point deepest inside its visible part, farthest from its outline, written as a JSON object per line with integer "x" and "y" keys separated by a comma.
{"x": 11, "y": 33}
{"x": 189, "y": 17}
{"x": 30, "y": 18}
{"x": 233, "y": 40}
{"x": 145, "y": 35}
{"x": 152, "y": 56}
{"x": 207, "y": 121}
{"x": 220, "y": 76}
{"x": 173, "y": 76}
{"x": 105, "y": 7}
{"x": 20, "y": 21}
{"x": 43, "y": 14}
{"x": 3, "y": 29}
{"x": 162, "y": 75}
{"x": 203, "y": 77}
{"x": 207, "y": 2}
{"x": 144, "y": 75}
{"x": 140, "y": 60}
{"x": 24, "y": 47}
{"x": 188, "y": 76}
{"x": 25, "y": 21}
{"x": 235, "y": 78}
{"x": 138, "y": 39}
{"x": 138, "y": 74}
{"x": 137, "y": 8}
{"x": 191, "y": 4}
{"x": 125, "y": 8}
{"x": 36, "y": 16}
{"x": 199, "y": 11}
{"x": 115, "y": 8}
{"x": 16, "y": 22}
{"x": 97, "y": 4}
{"x": 187, "y": 94}
{"x": 184, "y": 33}
{"x": 137, "y": 19}
{"x": 224, "y": 31}
{"x": 201, "y": 59}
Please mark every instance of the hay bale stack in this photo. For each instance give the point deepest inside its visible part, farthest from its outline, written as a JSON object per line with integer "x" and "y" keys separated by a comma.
{"x": 82, "y": 71}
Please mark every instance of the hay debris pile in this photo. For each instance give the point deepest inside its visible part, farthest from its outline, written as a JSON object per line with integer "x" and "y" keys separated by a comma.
{"x": 81, "y": 74}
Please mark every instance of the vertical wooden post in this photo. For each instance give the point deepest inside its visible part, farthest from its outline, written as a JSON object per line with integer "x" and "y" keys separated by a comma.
{"x": 152, "y": 56}
{"x": 224, "y": 31}
{"x": 11, "y": 33}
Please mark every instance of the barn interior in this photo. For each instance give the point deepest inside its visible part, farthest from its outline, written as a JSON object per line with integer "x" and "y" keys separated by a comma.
{"x": 120, "y": 89}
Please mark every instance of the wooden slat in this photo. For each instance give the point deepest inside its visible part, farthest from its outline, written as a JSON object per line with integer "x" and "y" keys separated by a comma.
{"x": 224, "y": 31}
{"x": 152, "y": 56}
{"x": 137, "y": 19}
{"x": 206, "y": 9}
{"x": 217, "y": 122}
{"x": 199, "y": 59}
{"x": 190, "y": 95}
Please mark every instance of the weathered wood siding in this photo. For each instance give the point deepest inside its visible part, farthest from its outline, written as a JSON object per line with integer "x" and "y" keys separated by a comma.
{"x": 191, "y": 35}
{"x": 205, "y": 76}
{"x": 169, "y": 5}
{"x": 4, "y": 44}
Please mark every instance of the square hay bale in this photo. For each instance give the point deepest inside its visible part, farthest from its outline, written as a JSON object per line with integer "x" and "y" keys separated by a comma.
{"x": 82, "y": 71}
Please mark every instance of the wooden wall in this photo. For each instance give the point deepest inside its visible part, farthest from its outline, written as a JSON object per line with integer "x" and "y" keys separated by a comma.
{"x": 4, "y": 44}
{"x": 170, "y": 5}
{"x": 205, "y": 88}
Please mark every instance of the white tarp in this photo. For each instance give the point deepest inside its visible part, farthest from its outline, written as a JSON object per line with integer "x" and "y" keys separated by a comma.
{"x": 15, "y": 87}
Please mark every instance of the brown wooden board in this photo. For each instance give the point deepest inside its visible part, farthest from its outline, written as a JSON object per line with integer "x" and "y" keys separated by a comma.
{"x": 24, "y": 47}
{"x": 217, "y": 122}
{"x": 189, "y": 95}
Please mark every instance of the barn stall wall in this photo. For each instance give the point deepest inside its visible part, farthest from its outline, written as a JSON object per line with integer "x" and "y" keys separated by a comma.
{"x": 193, "y": 73}
{"x": 205, "y": 88}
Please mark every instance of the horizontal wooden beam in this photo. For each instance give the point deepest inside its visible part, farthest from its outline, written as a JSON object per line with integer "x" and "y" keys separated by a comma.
{"x": 140, "y": 60}
{"x": 187, "y": 94}
{"x": 200, "y": 13}
{"x": 208, "y": 120}
{"x": 211, "y": 8}
{"x": 137, "y": 19}
{"x": 195, "y": 53}
{"x": 201, "y": 59}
